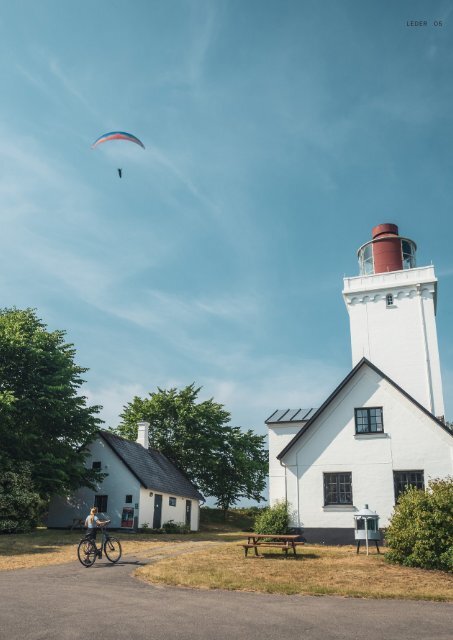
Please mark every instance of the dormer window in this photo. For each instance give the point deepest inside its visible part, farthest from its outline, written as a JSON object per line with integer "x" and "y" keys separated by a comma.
{"x": 389, "y": 300}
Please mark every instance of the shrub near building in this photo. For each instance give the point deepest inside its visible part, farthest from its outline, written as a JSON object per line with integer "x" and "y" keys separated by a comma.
{"x": 420, "y": 533}
{"x": 274, "y": 520}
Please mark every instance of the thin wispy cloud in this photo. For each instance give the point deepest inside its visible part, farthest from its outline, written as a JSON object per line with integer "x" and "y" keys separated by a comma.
{"x": 204, "y": 16}
{"x": 277, "y": 136}
{"x": 35, "y": 81}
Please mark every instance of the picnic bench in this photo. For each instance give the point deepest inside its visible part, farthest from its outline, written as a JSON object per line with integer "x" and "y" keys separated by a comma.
{"x": 284, "y": 542}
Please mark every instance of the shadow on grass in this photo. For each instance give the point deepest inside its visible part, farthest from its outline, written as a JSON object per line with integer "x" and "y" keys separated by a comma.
{"x": 15, "y": 551}
{"x": 290, "y": 556}
{"x": 16, "y": 544}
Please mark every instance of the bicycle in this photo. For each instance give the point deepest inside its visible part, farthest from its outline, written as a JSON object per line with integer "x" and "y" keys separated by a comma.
{"x": 87, "y": 551}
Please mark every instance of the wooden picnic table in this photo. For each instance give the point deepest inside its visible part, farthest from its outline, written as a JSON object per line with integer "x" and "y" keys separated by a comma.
{"x": 284, "y": 542}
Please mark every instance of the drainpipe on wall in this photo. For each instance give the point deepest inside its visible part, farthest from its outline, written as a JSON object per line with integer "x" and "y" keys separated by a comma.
{"x": 286, "y": 490}
{"x": 286, "y": 487}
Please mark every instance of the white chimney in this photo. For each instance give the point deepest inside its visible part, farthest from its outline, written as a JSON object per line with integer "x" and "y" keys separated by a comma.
{"x": 142, "y": 435}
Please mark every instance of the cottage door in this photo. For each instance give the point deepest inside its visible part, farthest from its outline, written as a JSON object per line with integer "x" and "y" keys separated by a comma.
{"x": 157, "y": 518}
{"x": 188, "y": 511}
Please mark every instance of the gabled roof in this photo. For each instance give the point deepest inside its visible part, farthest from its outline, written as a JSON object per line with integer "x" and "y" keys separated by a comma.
{"x": 151, "y": 468}
{"x": 363, "y": 362}
{"x": 282, "y": 416}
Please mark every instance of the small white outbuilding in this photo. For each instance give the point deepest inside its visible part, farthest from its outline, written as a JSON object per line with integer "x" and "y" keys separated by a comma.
{"x": 142, "y": 488}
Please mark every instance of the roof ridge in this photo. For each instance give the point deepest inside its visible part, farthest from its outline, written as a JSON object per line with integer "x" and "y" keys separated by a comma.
{"x": 154, "y": 470}
{"x": 343, "y": 383}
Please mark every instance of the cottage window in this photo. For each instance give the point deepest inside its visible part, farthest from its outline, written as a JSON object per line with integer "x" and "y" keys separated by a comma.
{"x": 337, "y": 488}
{"x": 172, "y": 502}
{"x": 96, "y": 465}
{"x": 402, "y": 480}
{"x": 128, "y": 499}
{"x": 101, "y": 503}
{"x": 369, "y": 420}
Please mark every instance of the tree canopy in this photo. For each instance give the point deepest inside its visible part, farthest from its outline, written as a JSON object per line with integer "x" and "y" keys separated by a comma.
{"x": 224, "y": 461}
{"x": 20, "y": 505}
{"x": 44, "y": 423}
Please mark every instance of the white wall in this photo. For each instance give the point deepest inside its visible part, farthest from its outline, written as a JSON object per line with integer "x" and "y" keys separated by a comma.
{"x": 401, "y": 339}
{"x": 119, "y": 482}
{"x": 279, "y": 436}
{"x": 411, "y": 441}
{"x": 177, "y": 513}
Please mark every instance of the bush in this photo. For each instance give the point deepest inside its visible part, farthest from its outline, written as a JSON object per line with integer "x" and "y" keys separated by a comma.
{"x": 175, "y": 527}
{"x": 420, "y": 533}
{"x": 273, "y": 520}
{"x": 20, "y": 505}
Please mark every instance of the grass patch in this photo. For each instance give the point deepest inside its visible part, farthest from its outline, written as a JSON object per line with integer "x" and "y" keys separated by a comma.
{"x": 45, "y": 547}
{"x": 318, "y": 570}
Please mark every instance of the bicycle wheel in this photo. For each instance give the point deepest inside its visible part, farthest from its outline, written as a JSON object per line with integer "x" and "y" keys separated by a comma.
{"x": 112, "y": 549}
{"x": 86, "y": 552}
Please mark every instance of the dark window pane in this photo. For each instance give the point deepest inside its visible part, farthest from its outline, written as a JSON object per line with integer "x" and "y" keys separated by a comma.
{"x": 96, "y": 465}
{"x": 128, "y": 498}
{"x": 101, "y": 503}
{"x": 368, "y": 420}
{"x": 337, "y": 488}
{"x": 404, "y": 479}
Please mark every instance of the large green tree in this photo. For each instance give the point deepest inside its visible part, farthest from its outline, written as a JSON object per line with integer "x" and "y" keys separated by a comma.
{"x": 44, "y": 422}
{"x": 225, "y": 462}
{"x": 20, "y": 505}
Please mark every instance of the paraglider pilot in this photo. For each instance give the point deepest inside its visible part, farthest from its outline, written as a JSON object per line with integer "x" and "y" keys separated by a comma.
{"x": 120, "y": 173}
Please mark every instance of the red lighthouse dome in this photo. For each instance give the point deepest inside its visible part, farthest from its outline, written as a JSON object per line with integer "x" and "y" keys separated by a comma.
{"x": 387, "y": 251}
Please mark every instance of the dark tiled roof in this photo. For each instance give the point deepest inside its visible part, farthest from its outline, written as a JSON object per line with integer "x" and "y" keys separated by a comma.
{"x": 290, "y": 415}
{"x": 151, "y": 468}
{"x": 343, "y": 383}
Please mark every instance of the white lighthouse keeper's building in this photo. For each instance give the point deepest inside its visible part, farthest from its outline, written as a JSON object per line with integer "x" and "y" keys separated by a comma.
{"x": 382, "y": 428}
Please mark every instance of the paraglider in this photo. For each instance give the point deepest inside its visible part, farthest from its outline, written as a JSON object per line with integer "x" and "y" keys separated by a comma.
{"x": 117, "y": 135}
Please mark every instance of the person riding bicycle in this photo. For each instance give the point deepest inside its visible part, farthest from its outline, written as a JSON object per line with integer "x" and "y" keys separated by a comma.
{"x": 92, "y": 522}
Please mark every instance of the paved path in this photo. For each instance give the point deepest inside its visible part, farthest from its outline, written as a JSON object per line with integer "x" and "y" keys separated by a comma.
{"x": 67, "y": 602}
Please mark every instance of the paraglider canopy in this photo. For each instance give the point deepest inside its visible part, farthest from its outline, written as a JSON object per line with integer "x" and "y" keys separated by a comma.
{"x": 117, "y": 135}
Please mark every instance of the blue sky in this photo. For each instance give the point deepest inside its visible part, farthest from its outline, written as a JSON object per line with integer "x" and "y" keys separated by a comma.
{"x": 277, "y": 135}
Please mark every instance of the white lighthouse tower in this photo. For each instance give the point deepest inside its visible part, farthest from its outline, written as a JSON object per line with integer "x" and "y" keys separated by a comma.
{"x": 392, "y": 312}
